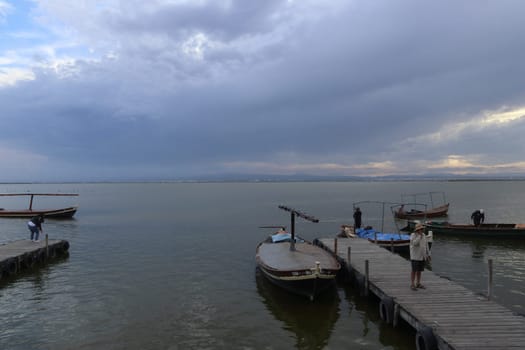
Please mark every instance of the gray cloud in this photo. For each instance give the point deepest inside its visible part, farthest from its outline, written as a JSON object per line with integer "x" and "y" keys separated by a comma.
{"x": 185, "y": 89}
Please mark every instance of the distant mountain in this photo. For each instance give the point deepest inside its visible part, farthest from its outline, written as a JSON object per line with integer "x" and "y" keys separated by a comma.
{"x": 317, "y": 178}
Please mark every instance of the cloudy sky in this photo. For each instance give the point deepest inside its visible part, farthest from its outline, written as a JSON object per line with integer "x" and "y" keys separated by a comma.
{"x": 109, "y": 89}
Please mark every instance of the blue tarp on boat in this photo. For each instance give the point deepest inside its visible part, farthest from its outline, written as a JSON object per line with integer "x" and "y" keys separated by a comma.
{"x": 380, "y": 236}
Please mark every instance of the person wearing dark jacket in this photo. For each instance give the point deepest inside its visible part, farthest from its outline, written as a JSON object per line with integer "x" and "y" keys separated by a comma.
{"x": 35, "y": 227}
{"x": 478, "y": 217}
{"x": 357, "y": 218}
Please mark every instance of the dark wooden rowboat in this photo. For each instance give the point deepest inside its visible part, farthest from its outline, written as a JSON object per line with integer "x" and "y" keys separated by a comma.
{"x": 60, "y": 213}
{"x": 307, "y": 270}
{"x": 483, "y": 230}
{"x": 412, "y": 214}
{"x": 295, "y": 264}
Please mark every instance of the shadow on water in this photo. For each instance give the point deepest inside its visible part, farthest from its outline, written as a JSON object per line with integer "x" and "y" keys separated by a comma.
{"x": 310, "y": 322}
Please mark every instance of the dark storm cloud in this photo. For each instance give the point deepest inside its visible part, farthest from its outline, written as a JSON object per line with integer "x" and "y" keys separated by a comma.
{"x": 199, "y": 86}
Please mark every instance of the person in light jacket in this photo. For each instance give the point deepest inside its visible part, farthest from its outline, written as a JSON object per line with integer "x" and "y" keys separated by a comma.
{"x": 419, "y": 253}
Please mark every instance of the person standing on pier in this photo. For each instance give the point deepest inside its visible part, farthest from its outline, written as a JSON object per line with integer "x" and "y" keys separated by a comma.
{"x": 357, "y": 218}
{"x": 419, "y": 253}
{"x": 35, "y": 227}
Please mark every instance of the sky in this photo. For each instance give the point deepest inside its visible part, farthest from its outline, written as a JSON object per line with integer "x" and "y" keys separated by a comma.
{"x": 164, "y": 89}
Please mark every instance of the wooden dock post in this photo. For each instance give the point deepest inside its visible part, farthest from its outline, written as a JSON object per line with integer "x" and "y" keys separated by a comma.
{"x": 335, "y": 246}
{"x": 490, "y": 281}
{"x": 367, "y": 275}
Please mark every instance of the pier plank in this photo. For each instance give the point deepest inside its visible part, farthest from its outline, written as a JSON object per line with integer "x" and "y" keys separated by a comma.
{"x": 19, "y": 255}
{"x": 459, "y": 318}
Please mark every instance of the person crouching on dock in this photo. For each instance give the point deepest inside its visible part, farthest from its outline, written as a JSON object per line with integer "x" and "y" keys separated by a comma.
{"x": 35, "y": 227}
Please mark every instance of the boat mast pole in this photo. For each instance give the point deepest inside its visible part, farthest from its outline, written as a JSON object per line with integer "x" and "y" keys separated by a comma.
{"x": 31, "y": 202}
{"x": 294, "y": 213}
{"x": 292, "y": 243}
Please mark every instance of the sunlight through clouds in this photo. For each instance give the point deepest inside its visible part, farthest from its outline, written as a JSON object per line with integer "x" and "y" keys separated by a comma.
{"x": 452, "y": 162}
{"x": 462, "y": 128}
{"x": 504, "y": 117}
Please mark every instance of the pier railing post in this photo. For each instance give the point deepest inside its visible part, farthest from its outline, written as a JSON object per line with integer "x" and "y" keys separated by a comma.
{"x": 348, "y": 254}
{"x": 366, "y": 277}
{"x": 47, "y": 246}
{"x": 335, "y": 246}
{"x": 490, "y": 280}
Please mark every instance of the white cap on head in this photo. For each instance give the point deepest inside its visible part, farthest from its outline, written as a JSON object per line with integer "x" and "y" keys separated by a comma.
{"x": 481, "y": 211}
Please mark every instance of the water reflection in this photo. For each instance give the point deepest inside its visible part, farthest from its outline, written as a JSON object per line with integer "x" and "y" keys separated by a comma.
{"x": 310, "y": 322}
{"x": 464, "y": 260}
{"x": 369, "y": 328}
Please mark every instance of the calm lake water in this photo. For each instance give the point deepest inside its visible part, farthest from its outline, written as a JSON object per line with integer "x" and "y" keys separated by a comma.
{"x": 171, "y": 266}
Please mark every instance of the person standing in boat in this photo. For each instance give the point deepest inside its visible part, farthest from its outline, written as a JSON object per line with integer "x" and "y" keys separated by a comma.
{"x": 357, "y": 218}
{"x": 419, "y": 253}
{"x": 35, "y": 227}
{"x": 478, "y": 217}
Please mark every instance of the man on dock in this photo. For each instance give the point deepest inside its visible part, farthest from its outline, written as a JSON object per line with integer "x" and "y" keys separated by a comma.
{"x": 357, "y": 218}
{"x": 35, "y": 226}
{"x": 419, "y": 253}
{"x": 478, "y": 217}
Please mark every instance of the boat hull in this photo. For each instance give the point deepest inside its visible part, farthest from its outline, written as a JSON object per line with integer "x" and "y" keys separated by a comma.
{"x": 306, "y": 270}
{"x": 63, "y": 213}
{"x": 309, "y": 287}
{"x": 483, "y": 230}
{"x": 420, "y": 214}
{"x": 399, "y": 246}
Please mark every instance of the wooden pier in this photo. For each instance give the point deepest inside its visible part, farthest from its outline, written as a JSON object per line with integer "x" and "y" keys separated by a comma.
{"x": 18, "y": 256}
{"x": 445, "y": 315}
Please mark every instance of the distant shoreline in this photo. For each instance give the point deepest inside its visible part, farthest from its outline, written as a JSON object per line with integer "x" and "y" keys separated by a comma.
{"x": 277, "y": 180}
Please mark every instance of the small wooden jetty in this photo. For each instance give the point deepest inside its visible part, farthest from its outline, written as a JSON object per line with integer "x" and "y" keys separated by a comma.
{"x": 445, "y": 315}
{"x": 21, "y": 255}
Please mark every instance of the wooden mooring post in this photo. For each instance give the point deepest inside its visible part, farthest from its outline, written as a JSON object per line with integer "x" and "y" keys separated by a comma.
{"x": 490, "y": 281}
{"x": 445, "y": 315}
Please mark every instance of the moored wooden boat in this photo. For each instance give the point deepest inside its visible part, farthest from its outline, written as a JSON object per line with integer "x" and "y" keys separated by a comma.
{"x": 295, "y": 264}
{"x": 420, "y": 210}
{"x": 482, "y": 230}
{"x": 59, "y": 213}
{"x": 411, "y": 214}
{"x": 392, "y": 240}
{"x": 395, "y": 242}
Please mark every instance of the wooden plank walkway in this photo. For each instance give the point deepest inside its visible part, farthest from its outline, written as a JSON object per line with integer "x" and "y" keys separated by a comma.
{"x": 445, "y": 315}
{"x": 24, "y": 254}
